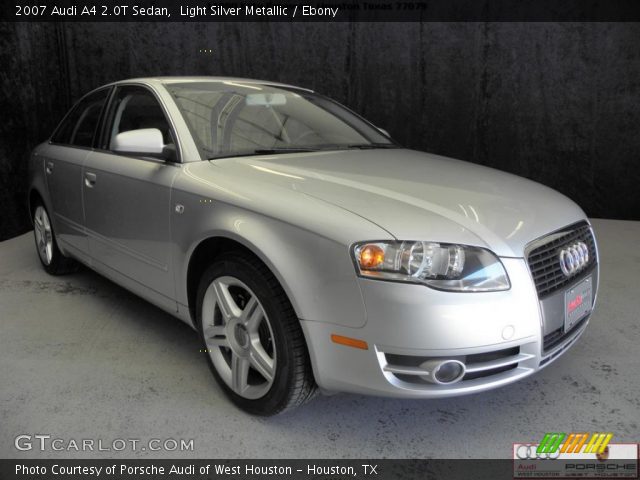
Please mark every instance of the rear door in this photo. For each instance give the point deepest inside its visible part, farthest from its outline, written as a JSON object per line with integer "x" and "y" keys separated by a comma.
{"x": 127, "y": 200}
{"x": 70, "y": 145}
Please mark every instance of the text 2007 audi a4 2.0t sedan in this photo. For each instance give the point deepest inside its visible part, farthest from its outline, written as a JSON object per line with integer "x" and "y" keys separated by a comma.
{"x": 306, "y": 247}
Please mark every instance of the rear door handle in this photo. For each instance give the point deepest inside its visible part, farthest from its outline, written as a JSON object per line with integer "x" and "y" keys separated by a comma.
{"x": 49, "y": 168}
{"x": 90, "y": 179}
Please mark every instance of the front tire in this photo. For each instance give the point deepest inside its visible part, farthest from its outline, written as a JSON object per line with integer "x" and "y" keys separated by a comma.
{"x": 253, "y": 339}
{"x": 52, "y": 259}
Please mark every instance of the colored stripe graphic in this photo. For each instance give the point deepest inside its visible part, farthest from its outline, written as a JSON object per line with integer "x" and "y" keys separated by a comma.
{"x": 587, "y": 449}
{"x": 574, "y": 442}
{"x": 581, "y": 443}
{"x": 569, "y": 442}
{"x": 598, "y": 442}
{"x": 550, "y": 442}
{"x": 543, "y": 443}
{"x": 556, "y": 445}
{"x": 596, "y": 446}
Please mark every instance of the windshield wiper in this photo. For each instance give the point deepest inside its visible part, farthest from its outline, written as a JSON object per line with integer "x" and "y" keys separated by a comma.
{"x": 276, "y": 150}
{"x": 265, "y": 151}
{"x": 285, "y": 150}
{"x": 370, "y": 146}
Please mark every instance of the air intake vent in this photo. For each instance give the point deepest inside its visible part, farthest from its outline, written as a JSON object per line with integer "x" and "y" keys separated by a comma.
{"x": 558, "y": 336}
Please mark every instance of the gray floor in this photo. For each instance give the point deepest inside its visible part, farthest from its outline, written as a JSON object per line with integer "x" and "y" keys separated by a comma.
{"x": 82, "y": 358}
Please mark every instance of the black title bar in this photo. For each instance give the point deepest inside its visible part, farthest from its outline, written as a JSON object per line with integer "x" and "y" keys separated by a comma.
{"x": 369, "y": 469}
{"x": 318, "y": 10}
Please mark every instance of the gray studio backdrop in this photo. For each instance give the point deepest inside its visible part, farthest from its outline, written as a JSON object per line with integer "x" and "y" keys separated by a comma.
{"x": 555, "y": 102}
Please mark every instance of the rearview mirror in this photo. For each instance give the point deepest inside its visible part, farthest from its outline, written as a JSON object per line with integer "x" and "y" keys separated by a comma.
{"x": 144, "y": 140}
{"x": 266, "y": 99}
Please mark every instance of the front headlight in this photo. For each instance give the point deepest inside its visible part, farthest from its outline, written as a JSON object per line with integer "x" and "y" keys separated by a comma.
{"x": 438, "y": 265}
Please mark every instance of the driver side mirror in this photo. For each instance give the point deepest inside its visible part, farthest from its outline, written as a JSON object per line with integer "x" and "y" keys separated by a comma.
{"x": 143, "y": 141}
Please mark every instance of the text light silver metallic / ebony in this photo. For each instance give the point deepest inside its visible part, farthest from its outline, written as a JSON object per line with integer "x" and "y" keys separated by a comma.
{"x": 306, "y": 247}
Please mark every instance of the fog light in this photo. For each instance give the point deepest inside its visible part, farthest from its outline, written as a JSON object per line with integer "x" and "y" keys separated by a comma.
{"x": 449, "y": 372}
{"x": 443, "y": 372}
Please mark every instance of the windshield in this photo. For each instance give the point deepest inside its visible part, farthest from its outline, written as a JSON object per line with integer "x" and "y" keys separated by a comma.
{"x": 233, "y": 118}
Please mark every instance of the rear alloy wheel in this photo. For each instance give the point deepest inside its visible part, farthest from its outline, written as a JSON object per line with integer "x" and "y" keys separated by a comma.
{"x": 44, "y": 235}
{"x": 252, "y": 337}
{"x": 52, "y": 259}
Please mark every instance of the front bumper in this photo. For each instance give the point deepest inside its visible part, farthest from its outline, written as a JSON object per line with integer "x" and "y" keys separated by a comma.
{"x": 499, "y": 336}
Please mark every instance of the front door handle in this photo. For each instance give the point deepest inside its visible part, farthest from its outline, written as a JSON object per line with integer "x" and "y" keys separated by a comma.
{"x": 49, "y": 168}
{"x": 90, "y": 179}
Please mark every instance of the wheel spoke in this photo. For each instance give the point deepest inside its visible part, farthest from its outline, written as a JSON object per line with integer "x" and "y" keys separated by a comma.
{"x": 252, "y": 315}
{"x": 261, "y": 361}
{"x": 239, "y": 373}
{"x": 38, "y": 226}
{"x": 45, "y": 221}
{"x": 227, "y": 305}
{"x": 216, "y": 336}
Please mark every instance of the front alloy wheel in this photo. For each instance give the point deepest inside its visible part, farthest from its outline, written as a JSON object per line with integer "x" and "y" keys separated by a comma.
{"x": 238, "y": 337}
{"x": 253, "y": 339}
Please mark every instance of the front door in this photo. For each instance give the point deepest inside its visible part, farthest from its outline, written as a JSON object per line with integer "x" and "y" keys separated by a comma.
{"x": 127, "y": 201}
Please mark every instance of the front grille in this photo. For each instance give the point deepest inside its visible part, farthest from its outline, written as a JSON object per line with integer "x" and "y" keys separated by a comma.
{"x": 544, "y": 263}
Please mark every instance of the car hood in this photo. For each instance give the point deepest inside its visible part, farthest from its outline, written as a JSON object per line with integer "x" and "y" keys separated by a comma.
{"x": 420, "y": 196}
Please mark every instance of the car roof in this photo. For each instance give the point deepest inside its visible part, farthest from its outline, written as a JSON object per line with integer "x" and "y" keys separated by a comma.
{"x": 167, "y": 80}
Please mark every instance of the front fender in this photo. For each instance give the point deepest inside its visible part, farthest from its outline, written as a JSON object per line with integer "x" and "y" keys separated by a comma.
{"x": 315, "y": 271}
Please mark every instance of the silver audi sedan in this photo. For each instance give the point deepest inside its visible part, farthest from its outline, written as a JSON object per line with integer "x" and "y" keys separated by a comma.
{"x": 308, "y": 249}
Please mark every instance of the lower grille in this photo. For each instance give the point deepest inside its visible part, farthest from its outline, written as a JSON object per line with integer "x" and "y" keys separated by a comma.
{"x": 544, "y": 261}
{"x": 487, "y": 373}
{"x": 556, "y": 337}
{"x": 407, "y": 367}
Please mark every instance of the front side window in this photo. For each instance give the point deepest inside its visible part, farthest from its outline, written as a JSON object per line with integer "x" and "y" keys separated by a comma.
{"x": 233, "y": 118}
{"x": 79, "y": 127}
{"x": 135, "y": 108}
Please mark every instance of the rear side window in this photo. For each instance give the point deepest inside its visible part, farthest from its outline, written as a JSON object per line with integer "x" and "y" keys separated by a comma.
{"x": 79, "y": 127}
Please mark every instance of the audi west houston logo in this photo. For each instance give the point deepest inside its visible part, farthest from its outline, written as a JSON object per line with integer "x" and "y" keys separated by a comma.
{"x": 575, "y": 455}
{"x": 528, "y": 451}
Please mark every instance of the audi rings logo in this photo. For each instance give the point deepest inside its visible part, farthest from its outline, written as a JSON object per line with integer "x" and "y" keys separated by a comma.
{"x": 529, "y": 452}
{"x": 574, "y": 258}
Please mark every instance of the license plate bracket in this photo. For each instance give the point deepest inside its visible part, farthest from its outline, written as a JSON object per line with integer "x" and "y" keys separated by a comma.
{"x": 578, "y": 301}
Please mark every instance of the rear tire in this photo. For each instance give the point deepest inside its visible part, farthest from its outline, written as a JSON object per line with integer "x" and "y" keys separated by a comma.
{"x": 52, "y": 259}
{"x": 253, "y": 339}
